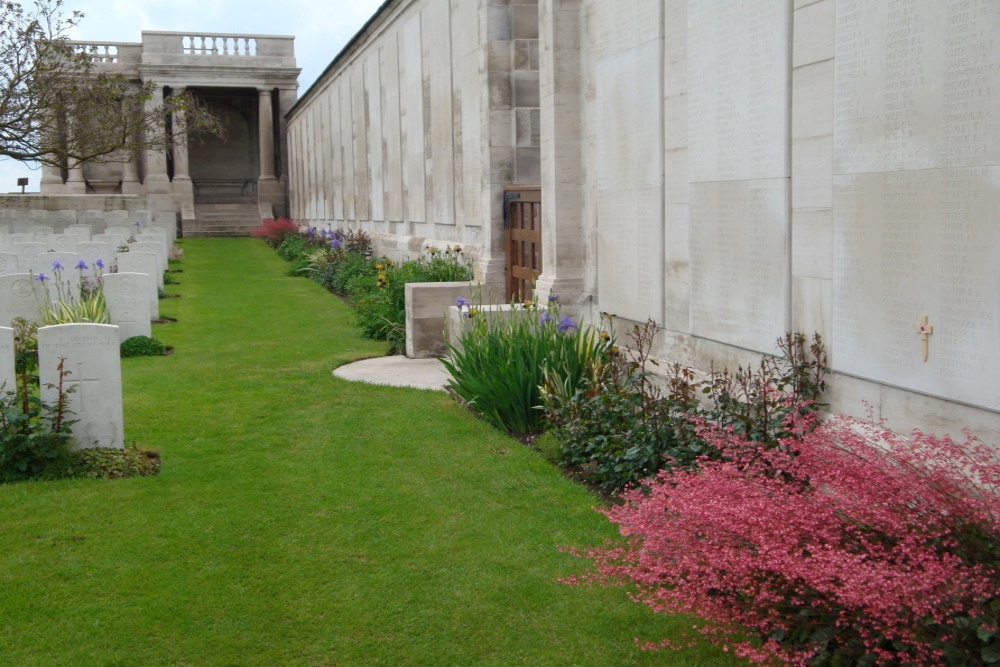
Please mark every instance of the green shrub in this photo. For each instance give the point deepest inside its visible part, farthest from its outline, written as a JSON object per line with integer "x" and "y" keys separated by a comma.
{"x": 618, "y": 428}
{"x": 292, "y": 247}
{"x": 142, "y": 346}
{"x": 504, "y": 361}
{"x": 34, "y": 435}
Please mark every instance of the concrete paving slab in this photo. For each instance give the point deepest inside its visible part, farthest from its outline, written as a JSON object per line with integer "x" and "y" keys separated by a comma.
{"x": 397, "y": 371}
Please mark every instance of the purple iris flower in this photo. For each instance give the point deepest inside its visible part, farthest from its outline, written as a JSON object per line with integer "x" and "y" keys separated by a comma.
{"x": 461, "y": 302}
{"x": 546, "y": 317}
{"x": 336, "y": 243}
{"x": 41, "y": 277}
{"x": 566, "y": 324}
{"x": 99, "y": 264}
{"x": 82, "y": 265}
{"x": 56, "y": 266}
{"x": 553, "y": 298}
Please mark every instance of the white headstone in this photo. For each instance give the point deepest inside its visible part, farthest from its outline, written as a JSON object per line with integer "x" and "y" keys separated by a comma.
{"x": 8, "y": 376}
{"x": 92, "y": 359}
{"x": 144, "y": 216}
{"x": 127, "y": 295}
{"x": 61, "y": 242}
{"x": 20, "y": 296}
{"x": 127, "y": 231}
{"x": 8, "y": 263}
{"x": 116, "y": 241}
{"x": 81, "y": 232}
{"x": 41, "y": 233}
{"x": 4, "y": 229}
{"x": 142, "y": 262}
{"x": 69, "y": 274}
{"x": 115, "y": 217}
{"x": 30, "y": 250}
{"x": 156, "y": 247}
{"x": 91, "y": 251}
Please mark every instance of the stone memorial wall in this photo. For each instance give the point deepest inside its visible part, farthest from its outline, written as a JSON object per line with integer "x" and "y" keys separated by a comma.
{"x": 916, "y": 190}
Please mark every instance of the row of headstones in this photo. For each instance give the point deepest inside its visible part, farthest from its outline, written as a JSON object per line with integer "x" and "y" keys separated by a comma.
{"x": 132, "y": 296}
{"x": 66, "y": 238}
{"x": 20, "y": 220}
{"x": 89, "y": 354}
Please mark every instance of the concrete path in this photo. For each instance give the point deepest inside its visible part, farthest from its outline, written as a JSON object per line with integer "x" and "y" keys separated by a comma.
{"x": 397, "y": 371}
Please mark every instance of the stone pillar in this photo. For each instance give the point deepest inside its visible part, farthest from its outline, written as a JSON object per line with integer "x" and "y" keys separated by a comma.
{"x": 563, "y": 189}
{"x": 156, "y": 181}
{"x": 52, "y": 180}
{"x": 182, "y": 185}
{"x": 130, "y": 176}
{"x": 268, "y": 188}
{"x": 75, "y": 182}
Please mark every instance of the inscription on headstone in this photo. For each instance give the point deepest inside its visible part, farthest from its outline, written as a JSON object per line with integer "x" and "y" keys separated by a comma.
{"x": 127, "y": 296}
{"x": 90, "y": 354}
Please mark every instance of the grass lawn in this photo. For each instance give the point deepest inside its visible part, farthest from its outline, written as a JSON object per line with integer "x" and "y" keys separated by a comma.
{"x": 302, "y": 519}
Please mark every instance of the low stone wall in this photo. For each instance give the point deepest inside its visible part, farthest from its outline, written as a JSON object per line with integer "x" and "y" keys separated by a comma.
{"x": 427, "y": 307}
{"x": 36, "y": 202}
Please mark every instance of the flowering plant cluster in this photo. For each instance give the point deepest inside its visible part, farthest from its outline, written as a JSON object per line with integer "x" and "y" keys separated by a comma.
{"x": 85, "y": 303}
{"x": 504, "y": 360}
{"x": 847, "y": 544}
{"x": 275, "y": 231}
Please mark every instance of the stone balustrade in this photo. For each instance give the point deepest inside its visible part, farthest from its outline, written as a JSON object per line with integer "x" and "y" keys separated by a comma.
{"x": 118, "y": 54}
{"x": 219, "y": 45}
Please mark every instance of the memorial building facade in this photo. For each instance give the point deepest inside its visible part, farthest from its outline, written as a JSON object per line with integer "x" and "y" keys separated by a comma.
{"x": 217, "y": 185}
{"x": 731, "y": 169}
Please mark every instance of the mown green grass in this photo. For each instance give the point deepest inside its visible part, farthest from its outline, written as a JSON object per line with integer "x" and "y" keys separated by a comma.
{"x": 301, "y": 519}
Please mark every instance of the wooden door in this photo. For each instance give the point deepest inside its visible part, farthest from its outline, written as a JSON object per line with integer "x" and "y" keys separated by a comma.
{"x": 523, "y": 217}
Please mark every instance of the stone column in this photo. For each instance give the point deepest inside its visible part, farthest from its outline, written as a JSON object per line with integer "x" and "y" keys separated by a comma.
{"x": 130, "y": 176}
{"x": 156, "y": 181}
{"x": 52, "y": 180}
{"x": 266, "y": 130}
{"x": 563, "y": 190}
{"x": 75, "y": 182}
{"x": 268, "y": 188}
{"x": 182, "y": 185}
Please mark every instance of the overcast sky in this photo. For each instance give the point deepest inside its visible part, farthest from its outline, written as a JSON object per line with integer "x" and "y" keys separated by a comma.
{"x": 320, "y": 27}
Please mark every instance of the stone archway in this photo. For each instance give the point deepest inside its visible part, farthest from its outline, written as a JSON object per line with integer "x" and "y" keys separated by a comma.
{"x": 225, "y": 169}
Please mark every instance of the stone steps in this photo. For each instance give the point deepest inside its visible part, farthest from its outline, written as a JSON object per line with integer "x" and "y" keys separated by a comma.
{"x": 223, "y": 220}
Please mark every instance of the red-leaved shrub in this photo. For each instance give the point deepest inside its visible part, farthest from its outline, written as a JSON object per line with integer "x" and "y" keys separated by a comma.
{"x": 274, "y": 232}
{"x": 847, "y": 544}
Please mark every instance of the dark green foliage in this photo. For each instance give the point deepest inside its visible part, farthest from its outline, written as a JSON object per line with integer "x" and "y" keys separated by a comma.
{"x": 33, "y": 435}
{"x": 142, "y": 346}
{"x": 168, "y": 279}
{"x": 620, "y": 428}
{"x": 292, "y": 247}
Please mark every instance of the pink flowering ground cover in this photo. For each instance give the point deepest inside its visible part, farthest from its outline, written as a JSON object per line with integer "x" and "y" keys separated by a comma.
{"x": 844, "y": 545}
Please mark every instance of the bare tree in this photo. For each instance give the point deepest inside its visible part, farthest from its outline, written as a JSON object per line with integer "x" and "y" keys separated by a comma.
{"x": 57, "y": 108}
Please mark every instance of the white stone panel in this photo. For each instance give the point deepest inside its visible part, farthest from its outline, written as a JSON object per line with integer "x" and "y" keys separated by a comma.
{"x": 392, "y": 167}
{"x": 909, "y": 244}
{"x": 411, "y": 120}
{"x": 348, "y": 175}
{"x": 739, "y": 263}
{"x": 127, "y": 296}
{"x": 738, "y": 89}
{"x": 630, "y": 245}
{"x": 373, "y": 91}
{"x": 436, "y": 36}
{"x": 917, "y": 85}
{"x": 90, "y": 354}
{"x": 359, "y": 131}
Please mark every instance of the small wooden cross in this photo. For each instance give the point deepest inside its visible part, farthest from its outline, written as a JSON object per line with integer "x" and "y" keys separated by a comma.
{"x": 925, "y": 330}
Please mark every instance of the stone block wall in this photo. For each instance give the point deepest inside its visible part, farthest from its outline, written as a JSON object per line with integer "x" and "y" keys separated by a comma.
{"x": 419, "y": 126}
